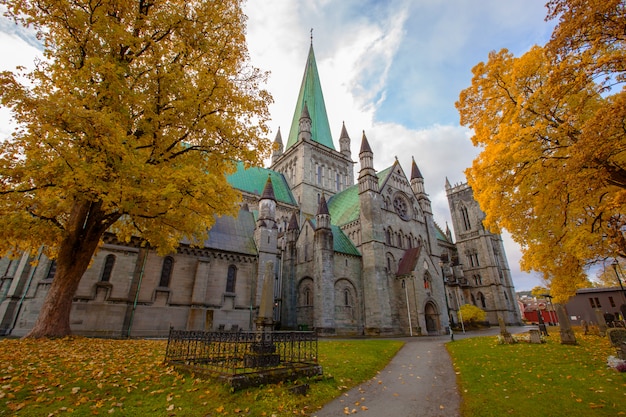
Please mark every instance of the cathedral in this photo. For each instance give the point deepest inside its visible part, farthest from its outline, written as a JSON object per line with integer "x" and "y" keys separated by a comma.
{"x": 350, "y": 256}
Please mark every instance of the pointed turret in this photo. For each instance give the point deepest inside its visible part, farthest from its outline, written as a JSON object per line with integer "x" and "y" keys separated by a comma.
{"x": 268, "y": 190}
{"x": 293, "y": 222}
{"x": 376, "y": 290}
{"x": 311, "y": 94}
{"x": 417, "y": 181}
{"x": 278, "y": 147}
{"x": 324, "y": 277}
{"x": 448, "y": 186}
{"x": 267, "y": 204}
{"x": 323, "y": 216}
{"x": 368, "y": 180}
{"x": 265, "y": 236}
{"x": 344, "y": 142}
{"x": 304, "y": 126}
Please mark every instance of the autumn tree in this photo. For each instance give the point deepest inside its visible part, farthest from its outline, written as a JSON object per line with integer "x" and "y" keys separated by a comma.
{"x": 472, "y": 315}
{"x": 129, "y": 125}
{"x": 552, "y": 170}
{"x": 539, "y": 291}
{"x": 607, "y": 275}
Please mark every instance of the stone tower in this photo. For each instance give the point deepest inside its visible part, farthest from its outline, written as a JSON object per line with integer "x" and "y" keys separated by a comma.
{"x": 310, "y": 162}
{"x": 486, "y": 278}
{"x": 376, "y": 292}
{"x": 323, "y": 275}
{"x": 265, "y": 235}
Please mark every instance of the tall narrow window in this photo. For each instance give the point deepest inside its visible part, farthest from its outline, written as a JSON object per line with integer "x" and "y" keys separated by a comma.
{"x": 466, "y": 220}
{"x": 612, "y": 301}
{"x": 346, "y": 297}
{"x": 481, "y": 297}
{"x": 166, "y": 272}
{"x": 231, "y": 279}
{"x": 52, "y": 270}
{"x": 338, "y": 181}
{"x": 307, "y": 297}
{"x": 108, "y": 268}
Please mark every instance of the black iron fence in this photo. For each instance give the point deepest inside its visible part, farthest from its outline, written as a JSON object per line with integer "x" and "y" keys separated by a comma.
{"x": 234, "y": 353}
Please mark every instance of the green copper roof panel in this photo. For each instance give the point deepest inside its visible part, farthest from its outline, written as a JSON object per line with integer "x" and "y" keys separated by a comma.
{"x": 341, "y": 242}
{"x": 232, "y": 234}
{"x": 440, "y": 234}
{"x": 252, "y": 180}
{"x": 311, "y": 93}
{"x": 344, "y": 206}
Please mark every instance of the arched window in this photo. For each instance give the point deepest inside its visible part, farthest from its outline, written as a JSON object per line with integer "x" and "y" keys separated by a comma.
{"x": 427, "y": 281}
{"x": 346, "y": 298}
{"x": 388, "y": 233}
{"x": 307, "y": 297}
{"x": 231, "y": 279}
{"x": 473, "y": 299}
{"x": 478, "y": 280}
{"x": 108, "y": 268}
{"x": 166, "y": 272}
{"x": 466, "y": 220}
{"x": 481, "y": 297}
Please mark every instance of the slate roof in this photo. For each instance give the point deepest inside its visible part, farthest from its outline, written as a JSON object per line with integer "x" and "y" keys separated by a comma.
{"x": 408, "y": 261}
{"x": 311, "y": 94}
{"x": 233, "y": 234}
{"x": 253, "y": 180}
{"x": 344, "y": 206}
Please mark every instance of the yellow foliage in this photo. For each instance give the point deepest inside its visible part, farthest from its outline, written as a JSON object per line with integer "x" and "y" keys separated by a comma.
{"x": 130, "y": 126}
{"x": 553, "y": 166}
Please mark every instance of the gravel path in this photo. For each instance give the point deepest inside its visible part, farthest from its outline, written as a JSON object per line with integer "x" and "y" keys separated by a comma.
{"x": 418, "y": 382}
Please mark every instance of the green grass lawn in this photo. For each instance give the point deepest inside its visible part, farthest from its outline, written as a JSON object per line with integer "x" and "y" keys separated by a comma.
{"x": 87, "y": 377}
{"x": 546, "y": 379}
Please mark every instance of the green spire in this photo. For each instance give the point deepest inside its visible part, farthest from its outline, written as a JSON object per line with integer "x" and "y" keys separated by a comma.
{"x": 311, "y": 94}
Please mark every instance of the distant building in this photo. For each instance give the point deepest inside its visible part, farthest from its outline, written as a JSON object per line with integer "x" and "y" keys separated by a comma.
{"x": 532, "y": 308}
{"x": 350, "y": 256}
{"x": 588, "y": 303}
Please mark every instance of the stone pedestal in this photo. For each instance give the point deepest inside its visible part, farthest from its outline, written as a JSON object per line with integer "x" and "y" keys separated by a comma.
{"x": 567, "y": 334}
{"x": 263, "y": 355}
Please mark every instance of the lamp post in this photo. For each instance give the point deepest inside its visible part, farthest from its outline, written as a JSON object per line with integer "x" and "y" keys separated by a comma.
{"x": 445, "y": 294}
{"x": 615, "y": 265}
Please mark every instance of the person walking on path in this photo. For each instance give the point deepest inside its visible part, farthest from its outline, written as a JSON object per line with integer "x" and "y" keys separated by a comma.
{"x": 420, "y": 381}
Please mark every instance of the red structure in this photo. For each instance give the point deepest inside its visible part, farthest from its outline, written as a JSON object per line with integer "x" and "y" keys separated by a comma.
{"x": 532, "y": 308}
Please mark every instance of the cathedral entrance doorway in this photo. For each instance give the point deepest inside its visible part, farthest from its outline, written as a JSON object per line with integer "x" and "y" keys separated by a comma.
{"x": 432, "y": 318}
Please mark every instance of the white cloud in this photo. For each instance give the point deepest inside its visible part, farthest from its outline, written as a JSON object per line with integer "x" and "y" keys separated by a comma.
{"x": 392, "y": 68}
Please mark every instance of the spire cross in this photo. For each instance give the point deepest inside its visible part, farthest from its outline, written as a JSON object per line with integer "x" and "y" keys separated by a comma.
{"x": 311, "y": 36}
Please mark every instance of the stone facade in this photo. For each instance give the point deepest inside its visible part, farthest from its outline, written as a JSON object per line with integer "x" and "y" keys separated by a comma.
{"x": 349, "y": 258}
{"x": 484, "y": 278}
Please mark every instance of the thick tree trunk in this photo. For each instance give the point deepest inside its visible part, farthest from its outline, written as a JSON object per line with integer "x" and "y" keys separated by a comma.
{"x": 85, "y": 228}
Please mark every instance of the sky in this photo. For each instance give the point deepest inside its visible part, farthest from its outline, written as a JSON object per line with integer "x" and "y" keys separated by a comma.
{"x": 391, "y": 68}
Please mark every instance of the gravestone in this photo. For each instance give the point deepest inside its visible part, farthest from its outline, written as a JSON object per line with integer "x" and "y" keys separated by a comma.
{"x": 535, "y": 337}
{"x": 263, "y": 349}
{"x": 567, "y": 334}
{"x": 506, "y": 336}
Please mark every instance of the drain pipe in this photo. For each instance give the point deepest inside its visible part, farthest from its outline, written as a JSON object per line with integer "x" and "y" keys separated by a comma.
{"x": 30, "y": 279}
{"x": 132, "y": 313}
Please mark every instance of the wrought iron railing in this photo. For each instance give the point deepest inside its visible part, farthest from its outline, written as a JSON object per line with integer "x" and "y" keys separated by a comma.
{"x": 233, "y": 353}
